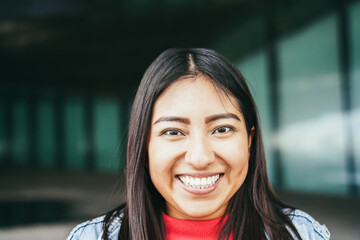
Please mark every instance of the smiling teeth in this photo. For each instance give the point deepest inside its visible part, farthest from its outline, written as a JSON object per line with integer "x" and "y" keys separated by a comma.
{"x": 200, "y": 183}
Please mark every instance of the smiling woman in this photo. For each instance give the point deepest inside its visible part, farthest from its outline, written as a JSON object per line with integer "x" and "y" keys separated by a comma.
{"x": 198, "y": 149}
{"x": 195, "y": 160}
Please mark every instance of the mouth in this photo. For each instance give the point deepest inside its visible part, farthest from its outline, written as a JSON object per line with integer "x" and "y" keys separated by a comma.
{"x": 199, "y": 182}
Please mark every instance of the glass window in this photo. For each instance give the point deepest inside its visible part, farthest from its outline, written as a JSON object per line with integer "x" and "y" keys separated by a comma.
{"x": 254, "y": 70}
{"x": 20, "y": 128}
{"x": 4, "y": 144}
{"x": 2, "y": 133}
{"x": 74, "y": 132}
{"x": 311, "y": 136}
{"x": 354, "y": 14}
{"x": 107, "y": 133}
{"x": 46, "y": 134}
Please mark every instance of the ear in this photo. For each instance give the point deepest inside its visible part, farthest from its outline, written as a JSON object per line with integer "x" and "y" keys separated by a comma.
{"x": 252, "y": 132}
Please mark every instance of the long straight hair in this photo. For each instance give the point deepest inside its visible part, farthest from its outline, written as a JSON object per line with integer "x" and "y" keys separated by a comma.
{"x": 254, "y": 212}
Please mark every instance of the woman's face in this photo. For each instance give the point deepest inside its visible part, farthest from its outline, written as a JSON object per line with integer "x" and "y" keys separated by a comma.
{"x": 198, "y": 149}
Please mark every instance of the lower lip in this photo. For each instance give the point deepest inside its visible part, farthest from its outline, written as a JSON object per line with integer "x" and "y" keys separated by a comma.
{"x": 200, "y": 191}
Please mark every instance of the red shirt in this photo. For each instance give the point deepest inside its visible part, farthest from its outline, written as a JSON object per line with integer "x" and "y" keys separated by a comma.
{"x": 191, "y": 229}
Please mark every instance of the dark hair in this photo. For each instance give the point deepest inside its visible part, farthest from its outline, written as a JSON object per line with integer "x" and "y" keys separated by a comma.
{"x": 253, "y": 211}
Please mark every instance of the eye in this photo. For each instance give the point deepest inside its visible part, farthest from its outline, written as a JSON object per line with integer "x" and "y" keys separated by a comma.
{"x": 172, "y": 132}
{"x": 223, "y": 130}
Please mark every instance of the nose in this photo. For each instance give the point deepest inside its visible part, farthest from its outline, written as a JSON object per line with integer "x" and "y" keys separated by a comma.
{"x": 199, "y": 153}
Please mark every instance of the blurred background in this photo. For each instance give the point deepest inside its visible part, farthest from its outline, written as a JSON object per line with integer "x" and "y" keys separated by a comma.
{"x": 70, "y": 69}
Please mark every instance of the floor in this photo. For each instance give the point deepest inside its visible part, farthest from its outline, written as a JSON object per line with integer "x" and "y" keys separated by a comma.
{"x": 39, "y": 204}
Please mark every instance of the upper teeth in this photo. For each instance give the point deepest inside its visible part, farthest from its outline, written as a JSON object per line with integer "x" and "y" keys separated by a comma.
{"x": 201, "y": 183}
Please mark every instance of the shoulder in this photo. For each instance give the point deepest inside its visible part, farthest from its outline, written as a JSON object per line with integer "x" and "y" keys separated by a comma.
{"x": 93, "y": 229}
{"x": 307, "y": 226}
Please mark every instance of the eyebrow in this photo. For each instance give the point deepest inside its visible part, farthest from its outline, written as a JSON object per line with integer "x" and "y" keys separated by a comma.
{"x": 207, "y": 119}
{"x": 172, "y": 119}
{"x": 221, "y": 116}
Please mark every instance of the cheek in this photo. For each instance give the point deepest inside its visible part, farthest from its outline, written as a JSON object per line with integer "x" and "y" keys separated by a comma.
{"x": 238, "y": 163}
{"x": 164, "y": 153}
{"x": 157, "y": 163}
{"x": 235, "y": 154}
{"x": 161, "y": 161}
{"x": 237, "y": 160}
{"x": 158, "y": 174}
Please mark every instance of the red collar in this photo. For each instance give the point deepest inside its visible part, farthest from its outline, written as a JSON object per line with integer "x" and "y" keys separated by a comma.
{"x": 191, "y": 229}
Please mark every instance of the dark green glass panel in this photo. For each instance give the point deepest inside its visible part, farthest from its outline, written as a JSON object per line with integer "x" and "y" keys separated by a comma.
{"x": 254, "y": 70}
{"x": 311, "y": 136}
{"x": 46, "y": 134}
{"x": 107, "y": 134}
{"x": 21, "y": 138}
{"x": 74, "y": 132}
{"x": 354, "y": 15}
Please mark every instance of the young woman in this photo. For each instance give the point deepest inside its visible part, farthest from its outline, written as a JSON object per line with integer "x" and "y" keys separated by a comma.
{"x": 195, "y": 161}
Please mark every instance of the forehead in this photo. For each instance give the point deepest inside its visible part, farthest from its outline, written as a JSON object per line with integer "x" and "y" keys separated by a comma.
{"x": 192, "y": 94}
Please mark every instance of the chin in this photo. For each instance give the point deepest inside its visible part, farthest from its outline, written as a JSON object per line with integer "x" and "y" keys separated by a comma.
{"x": 201, "y": 213}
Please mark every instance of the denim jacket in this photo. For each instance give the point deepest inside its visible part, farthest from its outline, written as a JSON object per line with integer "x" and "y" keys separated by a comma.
{"x": 307, "y": 227}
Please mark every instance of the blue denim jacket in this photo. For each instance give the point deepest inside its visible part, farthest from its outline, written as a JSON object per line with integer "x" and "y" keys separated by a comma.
{"x": 308, "y": 228}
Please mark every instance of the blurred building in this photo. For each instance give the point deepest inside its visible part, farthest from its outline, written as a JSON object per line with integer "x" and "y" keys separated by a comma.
{"x": 69, "y": 71}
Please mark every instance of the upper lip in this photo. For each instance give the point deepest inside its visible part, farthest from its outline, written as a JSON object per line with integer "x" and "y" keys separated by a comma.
{"x": 199, "y": 175}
